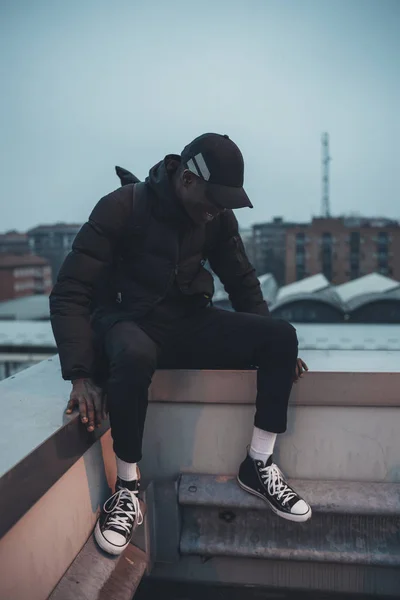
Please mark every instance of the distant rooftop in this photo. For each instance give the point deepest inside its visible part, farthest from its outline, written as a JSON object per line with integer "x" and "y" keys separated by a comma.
{"x": 372, "y": 283}
{"x": 268, "y": 286}
{"x": 26, "y": 308}
{"x": 312, "y": 336}
{"x": 11, "y": 236}
{"x": 47, "y": 228}
{"x": 309, "y": 285}
{"x": 277, "y": 222}
{"x": 36, "y": 334}
{"x": 22, "y": 260}
{"x": 356, "y": 221}
{"x": 348, "y": 336}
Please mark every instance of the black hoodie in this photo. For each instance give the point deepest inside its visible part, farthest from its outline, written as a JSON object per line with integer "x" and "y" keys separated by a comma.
{"x": 176, "y": 304}
{"x": 157, "y": 282}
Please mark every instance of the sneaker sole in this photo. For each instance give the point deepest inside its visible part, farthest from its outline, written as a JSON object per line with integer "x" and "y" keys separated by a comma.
{"x": 105, "y": 544}
{"x": 287, "y": 516}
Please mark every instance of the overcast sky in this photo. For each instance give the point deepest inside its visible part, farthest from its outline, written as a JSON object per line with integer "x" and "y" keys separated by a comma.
{"x": 88, "y": 84}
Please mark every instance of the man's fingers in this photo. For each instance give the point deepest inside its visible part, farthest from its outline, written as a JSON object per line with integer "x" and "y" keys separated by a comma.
{"x": 104, "y": 406}
{"x": 90, "y": 412}
{"x": 83, "y": 409}
{"x": 300, "y": 368}
{"x": 72, "y": 403}
{"x": 98, "y": 409}
{"x": 303, "y": 365}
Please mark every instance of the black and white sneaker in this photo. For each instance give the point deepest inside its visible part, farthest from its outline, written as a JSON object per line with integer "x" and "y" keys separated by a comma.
{"x": 267, "y": 481}
{"x": 119, "y": 518}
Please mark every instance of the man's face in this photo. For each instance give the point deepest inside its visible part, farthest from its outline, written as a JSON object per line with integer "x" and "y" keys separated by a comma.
{"x": 194, "y": 196}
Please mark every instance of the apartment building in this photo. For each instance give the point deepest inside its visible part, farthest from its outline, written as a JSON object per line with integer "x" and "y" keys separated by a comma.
{"x": 342, "y": 249}
{"x": 53, "y": 242}
{"x": 23, "y": 275}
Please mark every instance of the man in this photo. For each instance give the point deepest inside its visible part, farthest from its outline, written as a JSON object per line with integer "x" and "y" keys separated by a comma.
{"x": 135, "y": 287}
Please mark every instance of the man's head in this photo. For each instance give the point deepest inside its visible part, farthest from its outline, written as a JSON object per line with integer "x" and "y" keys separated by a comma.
{"x": 210, "y": 177}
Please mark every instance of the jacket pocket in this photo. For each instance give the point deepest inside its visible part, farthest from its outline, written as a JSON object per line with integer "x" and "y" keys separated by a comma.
{"x": 239, "y": 249}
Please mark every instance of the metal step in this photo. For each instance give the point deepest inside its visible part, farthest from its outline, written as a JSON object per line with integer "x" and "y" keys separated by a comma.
{"x": 353, "y": 523}
{"x": 94, "y": 575}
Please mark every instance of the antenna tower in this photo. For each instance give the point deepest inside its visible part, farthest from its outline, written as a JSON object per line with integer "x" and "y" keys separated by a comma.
{"x": 325, "y": 202}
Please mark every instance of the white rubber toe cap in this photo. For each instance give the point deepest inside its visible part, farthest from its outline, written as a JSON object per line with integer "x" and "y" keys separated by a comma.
{"x": 300, "y": 508}
{"x": 114, "y": 538}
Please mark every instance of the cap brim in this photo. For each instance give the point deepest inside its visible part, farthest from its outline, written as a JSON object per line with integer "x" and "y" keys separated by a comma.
{"x": 229, "y": 197}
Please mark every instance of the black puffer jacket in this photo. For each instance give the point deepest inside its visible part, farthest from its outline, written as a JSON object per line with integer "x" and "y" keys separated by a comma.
{"x": 107, "y": 261}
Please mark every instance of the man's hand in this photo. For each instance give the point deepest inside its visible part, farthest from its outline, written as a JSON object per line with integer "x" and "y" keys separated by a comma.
{"x": 301, "y": 368}
{"x": 90, "y": 400}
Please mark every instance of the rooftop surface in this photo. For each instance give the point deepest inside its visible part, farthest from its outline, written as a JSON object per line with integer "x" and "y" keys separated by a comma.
{"x": 308, "y": 285}
{"x": 26, "y": 308}
{"x": 312, "y": 336}
{"x": 372, "y": 283}
{"x": 36, "y": 334}
{"x": 67, "y": 227}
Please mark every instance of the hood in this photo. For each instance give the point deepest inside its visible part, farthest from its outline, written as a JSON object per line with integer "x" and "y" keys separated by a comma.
{"x": 159, "y": 180}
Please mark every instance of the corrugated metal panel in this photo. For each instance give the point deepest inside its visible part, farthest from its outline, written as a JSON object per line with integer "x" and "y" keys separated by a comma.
{"x": 351, "y": 524}
{"x": 372, "y": 283}
{"x": 308, "y": 285}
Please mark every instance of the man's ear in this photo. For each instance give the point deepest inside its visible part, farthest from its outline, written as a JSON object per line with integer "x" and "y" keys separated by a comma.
{"x": 125, "y": 176}
{"x": 187, "y": 177}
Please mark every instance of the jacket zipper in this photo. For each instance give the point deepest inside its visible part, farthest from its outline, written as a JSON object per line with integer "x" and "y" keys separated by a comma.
{"x": 174, "y": 272}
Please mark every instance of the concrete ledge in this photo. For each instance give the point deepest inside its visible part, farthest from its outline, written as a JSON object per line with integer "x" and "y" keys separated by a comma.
{"x": 39, "y": 438}
{"x": 239, "y": 387}
{"x": 333, "y": 497}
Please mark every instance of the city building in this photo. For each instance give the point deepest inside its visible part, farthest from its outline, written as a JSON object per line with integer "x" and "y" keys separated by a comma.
{"x": 269, "y": 248}
{"x": 342, "y": 249}
{"x": 248, "y": 241}
{"x": 13, "y": 242}
{"x": 23, "y": 275}
{"x": 53, "y": 242}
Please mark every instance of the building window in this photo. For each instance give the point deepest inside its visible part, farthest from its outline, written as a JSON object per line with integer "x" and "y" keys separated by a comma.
{"x": 300, "y": 256}
{"x": 355, "y": 242}
{"x": 383, "y": 238}
{"x": 354, "y": 256}
{"x": 382, "y": 249}
{"x": 326, "y": 255}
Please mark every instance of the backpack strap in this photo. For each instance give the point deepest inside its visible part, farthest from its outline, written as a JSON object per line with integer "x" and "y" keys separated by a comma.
{"x": 141, "y": 208}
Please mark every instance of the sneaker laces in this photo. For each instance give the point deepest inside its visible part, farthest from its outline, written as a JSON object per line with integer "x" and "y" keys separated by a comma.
{"x": 276, "y": 484}
{"x": 125, "y": 507}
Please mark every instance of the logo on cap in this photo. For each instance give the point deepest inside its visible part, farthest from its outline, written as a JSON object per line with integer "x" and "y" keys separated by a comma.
{"x": 197, "y": 165}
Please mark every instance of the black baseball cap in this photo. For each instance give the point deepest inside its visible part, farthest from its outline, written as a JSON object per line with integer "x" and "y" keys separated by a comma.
{"x": 218, "y": 161}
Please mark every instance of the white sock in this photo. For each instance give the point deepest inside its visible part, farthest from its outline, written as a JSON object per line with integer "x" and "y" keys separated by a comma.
{"x": 126, "y": 471}
{"x": 262, "y": 444}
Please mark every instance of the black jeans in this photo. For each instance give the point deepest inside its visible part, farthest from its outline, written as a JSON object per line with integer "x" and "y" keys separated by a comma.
{"x": 209, "y": 339}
